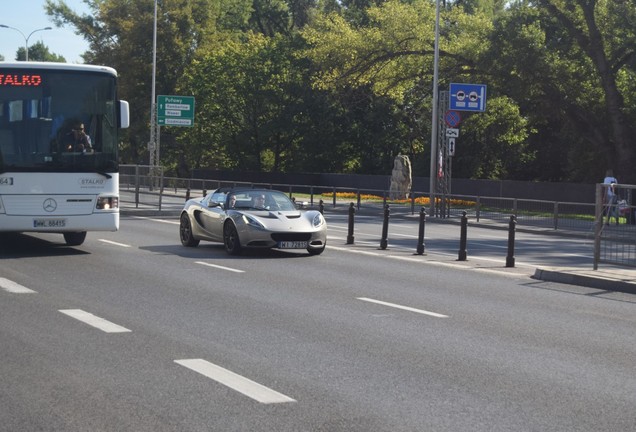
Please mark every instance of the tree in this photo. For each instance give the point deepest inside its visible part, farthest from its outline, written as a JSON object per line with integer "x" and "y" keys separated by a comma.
{"x": 39, "y": 52}
{"x": 392, "y": 54}
{"x": 120, "y": 32}
{"x": 250, "y": 103}
{"x": 567, "y": 63}
{"x": 596, "y": 28}
{"x": 494, "y": 145}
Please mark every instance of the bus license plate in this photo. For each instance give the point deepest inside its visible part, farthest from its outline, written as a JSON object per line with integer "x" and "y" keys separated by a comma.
{"x": 49, "y": 223}
{"x": 293, "y": 245}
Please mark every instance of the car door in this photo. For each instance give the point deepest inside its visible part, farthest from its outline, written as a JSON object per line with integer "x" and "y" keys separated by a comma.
{"x": 212, "y": 217}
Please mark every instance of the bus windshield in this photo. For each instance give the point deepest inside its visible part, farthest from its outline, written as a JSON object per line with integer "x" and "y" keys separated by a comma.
{"x": 56, "y": 120}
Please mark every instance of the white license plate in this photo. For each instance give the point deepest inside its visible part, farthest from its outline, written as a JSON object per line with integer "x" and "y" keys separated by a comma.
{"x": 293, "y": 245}
{"x": 49, "y": 223}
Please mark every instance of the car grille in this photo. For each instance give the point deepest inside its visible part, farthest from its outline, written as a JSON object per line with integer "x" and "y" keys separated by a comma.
{"x": 291, "y": 236}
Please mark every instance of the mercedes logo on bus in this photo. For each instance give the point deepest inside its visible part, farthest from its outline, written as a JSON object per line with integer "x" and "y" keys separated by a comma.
{"x": 49, "y": 205}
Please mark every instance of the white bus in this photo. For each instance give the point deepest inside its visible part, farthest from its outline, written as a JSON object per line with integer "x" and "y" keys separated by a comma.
{"x": 47, "y": 184}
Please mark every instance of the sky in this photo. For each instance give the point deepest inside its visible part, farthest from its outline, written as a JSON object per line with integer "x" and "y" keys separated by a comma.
{"x": 29, "y": 15}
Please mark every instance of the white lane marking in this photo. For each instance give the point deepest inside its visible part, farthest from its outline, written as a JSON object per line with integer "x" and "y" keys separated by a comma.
{"x": 166, "y": 221}
{"x": 406, "y": 308}
{"x": 220, "y": 267}
{"x": 114, "y": 243}
{"x": 14, "y": 288}
{"x": 234, "y": 381}
{"x": 95, "y": 321}
{"x": 423, "y": 260}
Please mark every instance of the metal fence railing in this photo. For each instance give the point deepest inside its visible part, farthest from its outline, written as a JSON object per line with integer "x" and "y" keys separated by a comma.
{"x": 615, "y": 232}
{"x": 147, "y": 187}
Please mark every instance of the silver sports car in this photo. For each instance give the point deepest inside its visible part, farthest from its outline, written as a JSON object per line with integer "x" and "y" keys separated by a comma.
{"x": 252, "y": 218}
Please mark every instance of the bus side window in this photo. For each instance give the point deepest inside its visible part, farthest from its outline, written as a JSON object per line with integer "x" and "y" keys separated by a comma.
{"x": 7, "y": 146}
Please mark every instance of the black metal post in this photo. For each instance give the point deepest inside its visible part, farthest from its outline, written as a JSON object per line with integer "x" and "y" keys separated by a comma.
{"x": 510, "y": 258}
{"x": 187, "y": 194}
{"x": 385, "y": 227}
{"x": 352, "y": 211}
{"x": 321, "y": 207}
{"x": 420, "y": 235}
{"x": 462, "y": 238}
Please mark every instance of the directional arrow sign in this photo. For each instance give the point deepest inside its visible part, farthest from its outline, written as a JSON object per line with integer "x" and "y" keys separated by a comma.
{"x": 175, "y": 110}
{"x": 451, "y": 146}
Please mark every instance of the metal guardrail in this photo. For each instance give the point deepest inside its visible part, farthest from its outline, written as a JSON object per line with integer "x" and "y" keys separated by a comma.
{"x": 145, "y": 187}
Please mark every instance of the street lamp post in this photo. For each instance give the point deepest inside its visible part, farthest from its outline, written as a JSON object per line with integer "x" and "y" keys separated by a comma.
{"x": 435, "y": 108}
{"x": 26, "y": 38}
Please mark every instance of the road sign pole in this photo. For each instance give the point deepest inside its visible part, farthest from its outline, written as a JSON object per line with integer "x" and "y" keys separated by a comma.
{"x": 153, "y": 145}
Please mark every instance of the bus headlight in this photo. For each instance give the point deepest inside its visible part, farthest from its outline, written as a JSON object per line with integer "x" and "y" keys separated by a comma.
{"x": 107, "y": 203}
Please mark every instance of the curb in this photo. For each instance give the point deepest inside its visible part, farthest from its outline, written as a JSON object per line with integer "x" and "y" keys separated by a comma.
{"x": 572, "y": 278}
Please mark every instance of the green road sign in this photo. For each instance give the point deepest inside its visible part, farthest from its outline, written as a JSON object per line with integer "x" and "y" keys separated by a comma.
{"x": 175, "y": 110}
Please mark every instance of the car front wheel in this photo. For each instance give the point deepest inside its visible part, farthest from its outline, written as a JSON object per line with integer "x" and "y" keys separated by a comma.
{"x": 185, "y": 232}
{"x": 231, "y": 239}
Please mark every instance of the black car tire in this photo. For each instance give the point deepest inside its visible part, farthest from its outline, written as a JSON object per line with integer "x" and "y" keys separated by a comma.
{"x": 185, "y": 232}
{"x": 231, "y": 239}
{"x": 74, "y": 238}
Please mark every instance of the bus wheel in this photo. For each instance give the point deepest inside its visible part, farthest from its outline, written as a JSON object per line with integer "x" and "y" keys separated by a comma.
{"x": 74, "y": 238}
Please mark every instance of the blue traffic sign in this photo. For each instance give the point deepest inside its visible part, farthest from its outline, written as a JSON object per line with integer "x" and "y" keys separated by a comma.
{"x": 468, "y": 97}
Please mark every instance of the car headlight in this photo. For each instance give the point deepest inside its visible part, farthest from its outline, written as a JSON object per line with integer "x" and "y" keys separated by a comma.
{"x": 248, "y": 220}
{"x": 318, "y": 220}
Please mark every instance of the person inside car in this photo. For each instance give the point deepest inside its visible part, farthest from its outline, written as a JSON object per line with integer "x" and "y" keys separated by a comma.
{"x": 259, "y": 201}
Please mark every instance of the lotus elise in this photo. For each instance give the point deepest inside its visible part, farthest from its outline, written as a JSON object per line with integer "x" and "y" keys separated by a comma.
{"x": 252, "y": 218}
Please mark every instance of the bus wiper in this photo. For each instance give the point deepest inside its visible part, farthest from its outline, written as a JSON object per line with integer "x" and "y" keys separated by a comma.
{"x": 108, "y": 176}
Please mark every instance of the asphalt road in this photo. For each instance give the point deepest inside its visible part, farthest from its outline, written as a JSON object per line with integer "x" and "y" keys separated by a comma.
{"x": 132, "y": 331}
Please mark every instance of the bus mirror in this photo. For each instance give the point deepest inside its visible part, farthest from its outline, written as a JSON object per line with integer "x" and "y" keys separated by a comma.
{"x": 124, "y": 114}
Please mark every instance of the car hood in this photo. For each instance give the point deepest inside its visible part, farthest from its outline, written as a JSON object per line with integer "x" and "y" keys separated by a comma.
{"x": 284, "y": 220}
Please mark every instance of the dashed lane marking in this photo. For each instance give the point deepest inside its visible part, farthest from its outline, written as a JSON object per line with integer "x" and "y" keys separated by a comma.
{"x": 234, "y": 381}
{"x": 114, "y": 243}
{"x": 220, "y": 267}
{"x": 166, "y": 221}
{"x": 14, "y": 288}
{"x": 406, "y": 308}
{"x": 95, "y": 321}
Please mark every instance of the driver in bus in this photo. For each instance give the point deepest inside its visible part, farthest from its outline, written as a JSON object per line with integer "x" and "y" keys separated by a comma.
{"x": 77, "y": 140}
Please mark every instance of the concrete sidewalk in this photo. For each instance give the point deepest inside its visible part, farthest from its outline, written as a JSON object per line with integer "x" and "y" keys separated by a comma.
{"x": 606, "y": 278}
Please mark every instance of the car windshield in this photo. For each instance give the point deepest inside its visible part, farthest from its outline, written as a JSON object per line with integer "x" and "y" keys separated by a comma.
{"x": 261, "y": 200}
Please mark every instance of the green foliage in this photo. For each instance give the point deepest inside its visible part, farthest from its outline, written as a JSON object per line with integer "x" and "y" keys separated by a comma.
{"x": 344, "y": 86}
{"x": 494, "y": 145}
{"x": 565, "y": 63}
{"x": 39, "y": 52}
{"x": 120, "y": 35}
